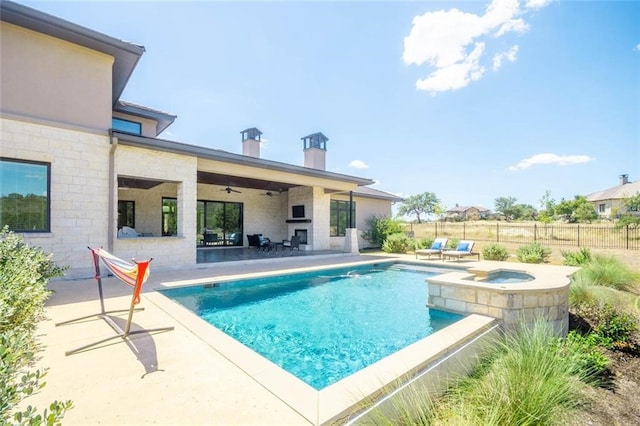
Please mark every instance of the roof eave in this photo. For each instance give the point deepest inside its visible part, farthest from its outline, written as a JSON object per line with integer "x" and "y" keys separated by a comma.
{"x": 216, "y": 154}
{"x": 162, "y": 119}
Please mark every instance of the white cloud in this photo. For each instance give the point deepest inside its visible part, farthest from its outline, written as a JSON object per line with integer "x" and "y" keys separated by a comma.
{"x": 638, "y": 47}
{"x": 510, "y": 55}
{"x": 453, "y": 42}
{"x": 536, "y": 4}
{"x": 548, "y": 158}
{"x": 454, "y": 76}
{"x": 357, "y": 164}
{"x": 515, "y": 25}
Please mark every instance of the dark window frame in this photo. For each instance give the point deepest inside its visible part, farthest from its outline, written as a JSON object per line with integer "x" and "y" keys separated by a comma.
{"x": 337, "y": 210}
{"x": 168, "y": 232}
{"x": 47, "y": 227}
{"x": 125, "y": 222}
{"x": 223, "y": 236}
{"x": 115, "y": 120}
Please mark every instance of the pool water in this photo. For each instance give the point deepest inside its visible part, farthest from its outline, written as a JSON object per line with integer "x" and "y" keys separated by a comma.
{"x": 322, "y": 326}
{"x": 508, "y": 277}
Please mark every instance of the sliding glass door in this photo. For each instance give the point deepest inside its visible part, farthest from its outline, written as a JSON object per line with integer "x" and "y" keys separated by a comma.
{"x": 222, "y": 221}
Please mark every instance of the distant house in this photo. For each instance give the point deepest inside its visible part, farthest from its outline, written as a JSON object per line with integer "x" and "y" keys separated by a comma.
{"x": 608, "y": 203}
{"x": 467, "y": 213}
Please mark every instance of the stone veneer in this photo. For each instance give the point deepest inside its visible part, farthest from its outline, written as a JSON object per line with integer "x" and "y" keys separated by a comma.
{"x": 516, "y": 304}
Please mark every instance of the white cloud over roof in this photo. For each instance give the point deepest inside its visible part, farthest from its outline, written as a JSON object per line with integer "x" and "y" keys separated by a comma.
{"x": 453, "y": 43}
{"x": 357, "y": 164}
{"x": 548, "y": 158}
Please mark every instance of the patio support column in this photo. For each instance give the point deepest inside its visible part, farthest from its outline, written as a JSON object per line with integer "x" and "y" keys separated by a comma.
{"x": 351, "y": 241}
{"x": 112, "y": 218}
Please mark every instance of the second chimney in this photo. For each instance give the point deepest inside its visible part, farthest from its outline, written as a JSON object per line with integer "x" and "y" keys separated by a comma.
{"x": 251, "y": 142}
{"x": 315, "y": 151}
{"x": 624, "y": 179}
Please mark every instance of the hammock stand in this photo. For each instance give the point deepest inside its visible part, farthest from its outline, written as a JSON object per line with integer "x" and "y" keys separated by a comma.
{"x": 134, "y": 275}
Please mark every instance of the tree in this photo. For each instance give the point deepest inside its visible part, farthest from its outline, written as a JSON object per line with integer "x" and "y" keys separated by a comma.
{"x": 421, "y": 204}
{"x": 504, "y": 206}
{"x": 631, "y": 215}
{"x": 576, "y": 210}
{"x": 547, "y": 208}
{"x": 524, "y": 212}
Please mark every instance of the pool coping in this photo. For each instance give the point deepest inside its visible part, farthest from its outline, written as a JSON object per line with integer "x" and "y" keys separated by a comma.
{"x": 339, "y": 400}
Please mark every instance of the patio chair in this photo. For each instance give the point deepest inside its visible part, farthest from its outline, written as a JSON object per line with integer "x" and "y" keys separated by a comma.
{"x": 464, "y": 248}
{"x": 293, "y": 243}
{"x": 210, "y": 239}
{"x": 436, "y": 248}
{"x": 258, "y": 241}
{"x": 134, "y": 275}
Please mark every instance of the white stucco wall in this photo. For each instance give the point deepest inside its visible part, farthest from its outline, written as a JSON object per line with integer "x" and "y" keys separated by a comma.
{"x": 45, "y": 78}
{"x": 365, "y": 207}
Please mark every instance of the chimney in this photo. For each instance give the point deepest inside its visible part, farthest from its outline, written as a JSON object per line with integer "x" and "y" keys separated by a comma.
{"x": 624, "y": 179}
{"x": 315, "y": 151}
{"x": 251, "y": 142}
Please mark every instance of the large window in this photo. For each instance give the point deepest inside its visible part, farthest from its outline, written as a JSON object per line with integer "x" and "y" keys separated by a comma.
{"x": 169, "y": 216}
{"x": 126, "y": 214}
{"x": 222, "y": 219}
{"x": 25, "y": 195}
{"x": 343, "y": 216}
{"x": 602, "y": 208}
{"x": 126, "y": 126}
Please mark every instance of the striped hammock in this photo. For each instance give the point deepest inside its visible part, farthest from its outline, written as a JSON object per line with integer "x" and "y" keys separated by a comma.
{"x": 133, "y": 274}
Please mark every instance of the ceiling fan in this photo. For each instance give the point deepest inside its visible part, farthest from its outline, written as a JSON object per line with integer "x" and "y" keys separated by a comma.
{"x": 271, "y": 193}
{"x": 230, "y": 190}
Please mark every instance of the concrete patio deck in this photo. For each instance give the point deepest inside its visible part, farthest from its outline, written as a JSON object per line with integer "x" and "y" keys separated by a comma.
{"x": 190, "y": 375}
{"x": 173, "y": 377}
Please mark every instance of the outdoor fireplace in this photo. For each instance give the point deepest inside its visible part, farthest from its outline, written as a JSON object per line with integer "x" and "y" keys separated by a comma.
{"x": 302, "y": 233}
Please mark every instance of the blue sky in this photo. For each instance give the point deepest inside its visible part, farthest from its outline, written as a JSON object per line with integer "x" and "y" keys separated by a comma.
{"x": 469, "y": 100}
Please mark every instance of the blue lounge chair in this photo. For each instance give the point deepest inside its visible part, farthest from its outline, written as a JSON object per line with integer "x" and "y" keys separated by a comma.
{"x": 436, "y": 248}
{"x": 464, "y": 248}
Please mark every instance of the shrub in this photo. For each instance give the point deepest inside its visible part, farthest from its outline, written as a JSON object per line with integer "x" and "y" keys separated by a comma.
{"x": 380, "y": 227}
{"x": 453, "y": 243}
{"x": 531, "y": 378}
{"x": 615, "y": 326}
{"x": 397, "y": 243}
{"x": 610, "y": 326}
{"x": 533, "y": 253}
{"x": 24, "y": 274}
{"x": 423, "y": 243}
{"x": 584, "y": 351}
{"x": 495, "y": 251}
{"x": 609, "y": 272}
{"x": 576, "y": 258}
{"x": 581, "y": 291}
{"x": 529, "y": 381}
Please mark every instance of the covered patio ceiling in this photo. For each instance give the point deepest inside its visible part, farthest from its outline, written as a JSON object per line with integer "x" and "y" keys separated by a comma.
{"x": 242, "y": 182}
{"x": 210, "y": 179}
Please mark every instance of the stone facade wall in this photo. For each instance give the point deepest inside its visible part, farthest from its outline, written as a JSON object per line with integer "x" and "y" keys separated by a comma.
{"x": 262, "y": 214}
{"x": 179, "y": 173}
{"x": 79, "y": 187}
{"x": 458, "y": 292}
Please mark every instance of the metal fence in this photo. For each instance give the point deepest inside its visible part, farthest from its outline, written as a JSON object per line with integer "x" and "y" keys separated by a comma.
{"x": 569, "y": 235}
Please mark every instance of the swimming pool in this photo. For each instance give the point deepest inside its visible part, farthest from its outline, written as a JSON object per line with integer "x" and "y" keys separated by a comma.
{"x": 326, "y": 325}
{"x": 508, "y": 277}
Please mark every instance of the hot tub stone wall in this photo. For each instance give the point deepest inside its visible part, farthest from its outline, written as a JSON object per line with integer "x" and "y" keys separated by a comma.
{"x": 515, "y": 304}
